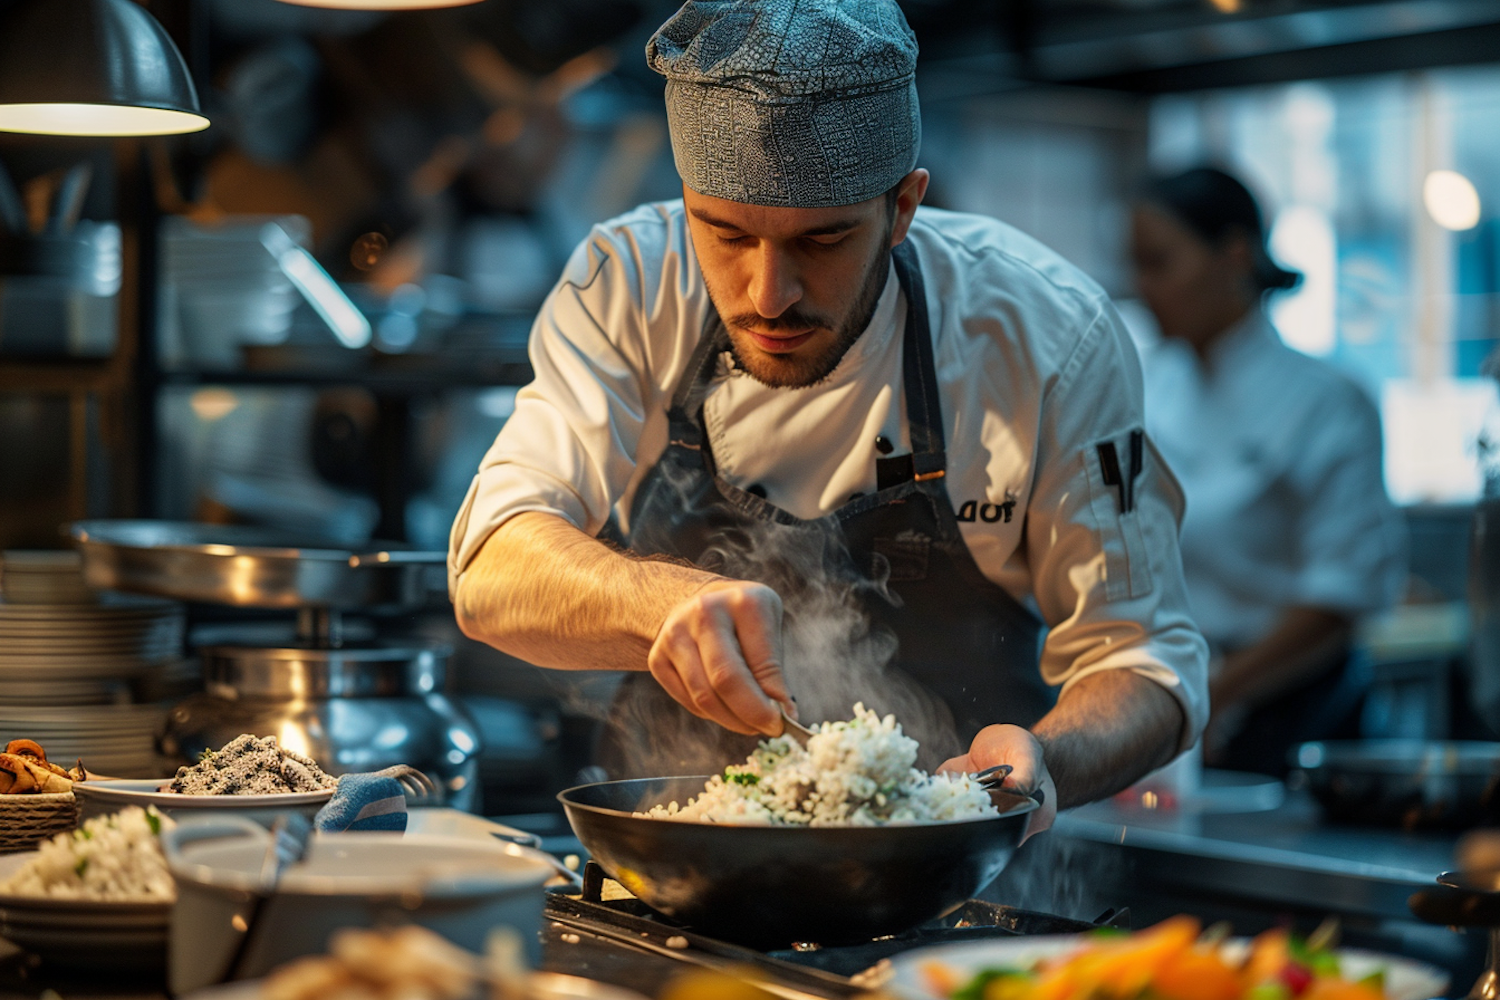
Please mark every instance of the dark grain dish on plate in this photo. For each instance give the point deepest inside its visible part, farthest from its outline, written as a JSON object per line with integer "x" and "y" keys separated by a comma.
{"x": 248, "y": 765}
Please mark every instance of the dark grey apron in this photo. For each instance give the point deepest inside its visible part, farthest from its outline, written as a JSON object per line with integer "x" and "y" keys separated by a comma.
{"x": 883, "y": 601}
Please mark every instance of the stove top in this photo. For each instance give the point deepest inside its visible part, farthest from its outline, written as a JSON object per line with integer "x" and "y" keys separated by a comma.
{"x": 606, "y": 933}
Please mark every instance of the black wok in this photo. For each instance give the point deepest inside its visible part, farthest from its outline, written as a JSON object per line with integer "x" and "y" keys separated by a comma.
{"x": 1414, "y": 784}
{"x": 770, "y": 886}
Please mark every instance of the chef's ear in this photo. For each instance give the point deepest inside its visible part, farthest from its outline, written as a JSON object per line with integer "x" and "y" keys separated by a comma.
{"x": 909, "y": 193}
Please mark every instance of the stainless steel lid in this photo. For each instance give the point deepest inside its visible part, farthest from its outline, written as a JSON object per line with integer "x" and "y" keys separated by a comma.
{"x": 250, "y": 567}
{"x": 372, "y": 671}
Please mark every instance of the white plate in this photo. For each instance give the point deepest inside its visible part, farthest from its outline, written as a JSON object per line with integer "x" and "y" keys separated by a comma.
{"x": 1404, "y": 978}
{"x": 143, "y": 792}
{"x": 543, "y": 986}
{"x": 84, "y": 932}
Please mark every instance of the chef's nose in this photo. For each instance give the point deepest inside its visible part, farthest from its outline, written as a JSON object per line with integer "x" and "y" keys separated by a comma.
{"x": 775, "y": 285}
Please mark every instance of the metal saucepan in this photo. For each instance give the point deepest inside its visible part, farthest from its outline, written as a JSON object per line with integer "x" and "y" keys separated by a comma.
{"x": 1408, "y": 783}
{"x": 771, "y": 886}
{"x": 250, "y": 567}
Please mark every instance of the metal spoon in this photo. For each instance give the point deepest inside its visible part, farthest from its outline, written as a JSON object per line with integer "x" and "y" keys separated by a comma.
{"x": 795, "y": 729}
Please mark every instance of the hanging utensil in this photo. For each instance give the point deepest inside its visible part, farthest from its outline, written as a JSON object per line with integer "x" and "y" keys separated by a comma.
{"x": 67, "y": 203}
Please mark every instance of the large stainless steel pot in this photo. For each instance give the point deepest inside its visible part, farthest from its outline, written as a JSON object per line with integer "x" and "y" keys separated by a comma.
{"x": 1407, "y": 783}
{"x": 771, "y": 886}
{"x": 250, "y": 567}
{"x": 359, "y": 708}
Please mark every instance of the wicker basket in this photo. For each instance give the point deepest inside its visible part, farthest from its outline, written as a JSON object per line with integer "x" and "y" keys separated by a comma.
{"x": 27, "y": 820}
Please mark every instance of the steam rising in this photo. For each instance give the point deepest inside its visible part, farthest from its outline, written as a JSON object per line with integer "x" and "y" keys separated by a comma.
{"x": 834, "y": 654}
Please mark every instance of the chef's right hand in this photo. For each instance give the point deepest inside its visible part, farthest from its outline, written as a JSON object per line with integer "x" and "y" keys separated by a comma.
{"x": 719, "y": 655}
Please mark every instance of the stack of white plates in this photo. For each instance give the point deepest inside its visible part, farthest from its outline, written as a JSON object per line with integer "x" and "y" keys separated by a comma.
{"x": 116, "y": 740}
{"x": 43, "y": 577}
{"x": 117, "y": 638}
{"x": 68, "y": 673}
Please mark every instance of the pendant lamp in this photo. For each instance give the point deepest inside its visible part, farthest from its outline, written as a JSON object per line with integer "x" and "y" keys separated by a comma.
{"x": 381, "y": 4}
{"x": 92, "y": 67}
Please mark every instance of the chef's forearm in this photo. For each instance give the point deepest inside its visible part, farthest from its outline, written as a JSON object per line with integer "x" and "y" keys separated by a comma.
{"x": 545, "y": 592}
{"x": 1107, "y": 731}
{"x": 1304, "y": 643}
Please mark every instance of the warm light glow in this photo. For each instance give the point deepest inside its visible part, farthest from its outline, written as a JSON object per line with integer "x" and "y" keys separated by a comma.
{"x": 213, "y": 403}
{"x": 1227, "y": 6}
{"x": 381, "y": 4}
{"x": 1451, "y": 200}
{"x": 97, "y": 119}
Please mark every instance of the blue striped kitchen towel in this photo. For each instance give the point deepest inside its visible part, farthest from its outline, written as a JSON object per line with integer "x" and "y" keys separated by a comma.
{"x": 364, "y": 802}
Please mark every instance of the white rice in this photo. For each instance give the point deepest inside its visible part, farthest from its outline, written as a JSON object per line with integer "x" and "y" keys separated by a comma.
{"x": 855, "y": 773}
{"x": 114, "y": 858}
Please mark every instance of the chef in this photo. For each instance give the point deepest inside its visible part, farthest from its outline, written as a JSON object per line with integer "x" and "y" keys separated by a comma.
{"x": 1289, "y": 537}
{"x": 794, "y": 392}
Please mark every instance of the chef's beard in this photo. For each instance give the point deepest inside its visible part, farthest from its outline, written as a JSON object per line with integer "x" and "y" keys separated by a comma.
{"x": 779, "y": 371}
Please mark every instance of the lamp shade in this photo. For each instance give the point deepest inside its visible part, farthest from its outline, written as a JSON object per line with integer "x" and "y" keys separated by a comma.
{"x": 92, "y": 67}
{"x": 381, "y": 4}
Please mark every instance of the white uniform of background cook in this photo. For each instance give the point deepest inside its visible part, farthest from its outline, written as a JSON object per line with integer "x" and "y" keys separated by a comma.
{"x": 1034, "y": 369}
{"x": 1280, "y": 457}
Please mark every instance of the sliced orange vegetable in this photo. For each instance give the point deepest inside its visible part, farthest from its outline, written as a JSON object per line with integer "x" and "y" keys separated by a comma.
{"x": 940, "y": 978}
{"x": 1269, "y": 954}
{"x": 1326, "y": 988}
{"x": 1197, "y": 974}
{"x": 1125, "y": 966}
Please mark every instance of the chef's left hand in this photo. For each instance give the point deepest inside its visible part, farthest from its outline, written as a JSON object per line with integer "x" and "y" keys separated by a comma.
{"x": 1023, "y": 752}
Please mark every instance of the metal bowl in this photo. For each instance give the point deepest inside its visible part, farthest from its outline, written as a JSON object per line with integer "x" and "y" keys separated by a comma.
{"x": 771, "y": 886}
{"x": 1413, "y": 784}
{"x": 249, "y": 567}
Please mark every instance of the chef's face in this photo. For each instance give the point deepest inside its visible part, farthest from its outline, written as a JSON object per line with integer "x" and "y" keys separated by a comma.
{"x": 1195, "y": 289}
{"x": 797, "y": 286}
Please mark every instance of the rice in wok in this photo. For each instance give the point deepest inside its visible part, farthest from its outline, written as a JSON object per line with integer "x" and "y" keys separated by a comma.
{"x": 855, "y": 773}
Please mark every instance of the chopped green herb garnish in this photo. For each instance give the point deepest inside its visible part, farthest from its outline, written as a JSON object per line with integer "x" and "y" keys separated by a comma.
{"x": 741, "y": 777}
{"x": 205, "y": 754}
{"x": 81, "y": 867}
{"x": 153, "y": 819}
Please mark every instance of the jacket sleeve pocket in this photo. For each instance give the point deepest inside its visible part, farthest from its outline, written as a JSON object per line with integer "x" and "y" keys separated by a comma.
{"x": 1113, "y": 482}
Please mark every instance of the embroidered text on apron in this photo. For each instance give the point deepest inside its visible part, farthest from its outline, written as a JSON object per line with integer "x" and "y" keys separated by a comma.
{"x": 918, "y": 629}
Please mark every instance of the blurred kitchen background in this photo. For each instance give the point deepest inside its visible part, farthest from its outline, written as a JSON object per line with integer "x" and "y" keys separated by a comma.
{"x": 314, "y": 314}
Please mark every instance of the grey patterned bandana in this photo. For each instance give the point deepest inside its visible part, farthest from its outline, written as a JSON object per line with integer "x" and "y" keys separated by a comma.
{"x": 801, "y": 103}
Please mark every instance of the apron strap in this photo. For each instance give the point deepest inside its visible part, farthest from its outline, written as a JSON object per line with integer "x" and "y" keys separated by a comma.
{"x": 924, "y": 414}
{"x": 687, "y": 401}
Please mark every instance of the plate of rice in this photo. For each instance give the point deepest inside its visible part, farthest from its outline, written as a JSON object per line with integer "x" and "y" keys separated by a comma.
{"x": 843, "y": 840}
{"x": 97, "y": 896}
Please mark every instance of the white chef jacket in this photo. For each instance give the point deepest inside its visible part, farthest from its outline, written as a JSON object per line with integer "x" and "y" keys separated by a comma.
{"x": 1034, "y": 370}
{"x": 1280, "y": 457}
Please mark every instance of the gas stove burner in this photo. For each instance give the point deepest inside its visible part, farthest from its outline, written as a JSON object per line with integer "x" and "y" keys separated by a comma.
{"x": 606, "y": 913}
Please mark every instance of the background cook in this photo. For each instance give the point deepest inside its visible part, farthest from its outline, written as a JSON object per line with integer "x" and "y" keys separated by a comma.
{"x": 927, "y": 412}
{"x": 1289, "y": 536}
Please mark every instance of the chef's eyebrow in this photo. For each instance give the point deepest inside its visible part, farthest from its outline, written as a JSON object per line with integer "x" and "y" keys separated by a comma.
{"x": 829, "y": 229}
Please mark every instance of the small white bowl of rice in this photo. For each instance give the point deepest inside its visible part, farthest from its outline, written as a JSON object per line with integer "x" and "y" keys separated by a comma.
{"x": 98, "y": 896}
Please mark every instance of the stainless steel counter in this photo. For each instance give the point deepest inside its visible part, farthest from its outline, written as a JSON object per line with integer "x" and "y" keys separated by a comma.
{"x": 1281, "y": 857}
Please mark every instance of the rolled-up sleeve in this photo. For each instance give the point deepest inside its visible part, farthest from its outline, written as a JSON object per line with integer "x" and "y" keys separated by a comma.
{"x": 1108, "y": 581}
{"x": 569, "y": 448}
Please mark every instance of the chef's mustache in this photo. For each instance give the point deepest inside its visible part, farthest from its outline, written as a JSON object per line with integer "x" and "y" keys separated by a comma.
{"x": 793, "y": 321}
